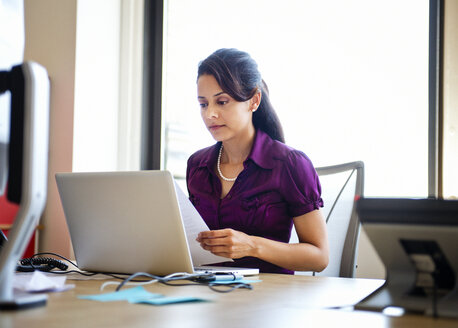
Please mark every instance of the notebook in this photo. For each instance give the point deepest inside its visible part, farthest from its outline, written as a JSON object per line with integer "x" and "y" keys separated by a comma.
{"x": 140, "y": 221}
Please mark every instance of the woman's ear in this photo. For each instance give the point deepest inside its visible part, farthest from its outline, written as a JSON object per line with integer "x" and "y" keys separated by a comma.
{"x": 256, "y": 101}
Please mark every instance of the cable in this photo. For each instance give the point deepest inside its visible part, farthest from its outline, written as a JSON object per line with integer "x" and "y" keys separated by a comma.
{"x": 165, "y": 280}
{"x": 56, "y": 255}
{"x": 231, "y": 287}
{"x": 195, "y": 279}
{"x": 131, "y": 281}
{"x": 83, "y": 273}
{"x": 41, "y": 263}
{"x": 137, "y": 283}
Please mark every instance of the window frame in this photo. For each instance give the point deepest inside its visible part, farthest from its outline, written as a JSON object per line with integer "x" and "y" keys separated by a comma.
{"x": 151, "y": 129}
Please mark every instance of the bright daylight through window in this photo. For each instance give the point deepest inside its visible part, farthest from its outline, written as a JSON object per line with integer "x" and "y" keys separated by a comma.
{"x": 348, "y": 80}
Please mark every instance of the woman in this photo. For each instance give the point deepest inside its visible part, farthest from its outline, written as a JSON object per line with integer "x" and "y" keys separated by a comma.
{"x": 250, "y": 188}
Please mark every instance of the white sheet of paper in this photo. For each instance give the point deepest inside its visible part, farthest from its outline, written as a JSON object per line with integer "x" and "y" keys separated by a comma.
{"x": 40, "y": 282}
{"x": 193, "y": 224}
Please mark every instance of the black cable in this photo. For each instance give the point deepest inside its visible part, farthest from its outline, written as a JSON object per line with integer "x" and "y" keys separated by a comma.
{"x": 83, "y": 273}
{"x": 90, "y": 274}
{"x": 56, "y": 255}
{"x": 43, "y": 263}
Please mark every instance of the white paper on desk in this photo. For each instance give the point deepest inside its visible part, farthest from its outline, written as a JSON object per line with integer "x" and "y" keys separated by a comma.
{"x": 193, "y": 224}
{"x": 39, "y": 282}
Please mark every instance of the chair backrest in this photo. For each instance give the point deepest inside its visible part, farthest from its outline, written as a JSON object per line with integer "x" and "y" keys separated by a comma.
{"x": 341, "y": 185}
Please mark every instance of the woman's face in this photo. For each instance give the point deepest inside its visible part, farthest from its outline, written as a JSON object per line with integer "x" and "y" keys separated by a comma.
{"x": 223, "y": 116}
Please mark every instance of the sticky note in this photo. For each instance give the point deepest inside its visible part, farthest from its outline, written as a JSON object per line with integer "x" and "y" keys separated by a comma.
{"x": 135, "y": 293}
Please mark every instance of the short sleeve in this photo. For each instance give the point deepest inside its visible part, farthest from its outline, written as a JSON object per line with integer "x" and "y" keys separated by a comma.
{"x": 189, "y": 166}
{"x": 300, "y": 184}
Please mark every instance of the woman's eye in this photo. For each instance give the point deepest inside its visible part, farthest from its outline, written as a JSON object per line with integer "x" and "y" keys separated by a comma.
{"x": 222, "y": 102}
{"x": 203, "y": 105}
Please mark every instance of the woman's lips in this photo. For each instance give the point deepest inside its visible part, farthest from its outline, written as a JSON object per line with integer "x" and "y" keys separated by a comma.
{"x": 215, "y": 127}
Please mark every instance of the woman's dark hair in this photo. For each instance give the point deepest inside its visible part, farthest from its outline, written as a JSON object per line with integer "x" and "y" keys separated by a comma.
{"x": 237, "y": 74}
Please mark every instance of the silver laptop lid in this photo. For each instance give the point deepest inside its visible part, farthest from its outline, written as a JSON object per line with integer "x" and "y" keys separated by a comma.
{"x": 125, "y": 222}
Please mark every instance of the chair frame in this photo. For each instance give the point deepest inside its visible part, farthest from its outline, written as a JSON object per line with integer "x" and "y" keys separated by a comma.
{"x": 348, "y": 260}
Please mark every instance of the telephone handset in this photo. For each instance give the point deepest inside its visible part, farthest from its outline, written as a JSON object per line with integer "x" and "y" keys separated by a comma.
{"x": 35, "y": 263}
{"x": 40, "y": 263}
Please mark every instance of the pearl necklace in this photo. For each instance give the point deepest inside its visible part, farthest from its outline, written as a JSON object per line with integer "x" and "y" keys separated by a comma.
{"x": 219, "y": 168}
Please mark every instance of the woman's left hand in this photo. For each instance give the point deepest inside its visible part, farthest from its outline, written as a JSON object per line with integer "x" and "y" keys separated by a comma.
{"x": 227, "y": 243}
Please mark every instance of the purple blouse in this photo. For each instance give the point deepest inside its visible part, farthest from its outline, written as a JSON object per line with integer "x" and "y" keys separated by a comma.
{"x": 277, "y": 184}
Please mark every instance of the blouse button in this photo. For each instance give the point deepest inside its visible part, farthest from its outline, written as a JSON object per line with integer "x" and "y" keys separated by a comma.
{"x": 229, "y": 196}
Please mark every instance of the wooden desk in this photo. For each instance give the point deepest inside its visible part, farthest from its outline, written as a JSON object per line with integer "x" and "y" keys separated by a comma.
{"x": 277, "y": 301}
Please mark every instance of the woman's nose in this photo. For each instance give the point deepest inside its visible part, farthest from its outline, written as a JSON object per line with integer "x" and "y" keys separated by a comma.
{"x": 212, "y": 111}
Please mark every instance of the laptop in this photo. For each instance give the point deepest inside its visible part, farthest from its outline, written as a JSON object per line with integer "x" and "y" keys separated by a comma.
{"x": 139, "y": 221}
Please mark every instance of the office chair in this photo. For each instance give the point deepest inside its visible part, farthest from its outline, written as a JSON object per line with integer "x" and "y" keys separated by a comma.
{"x": 341, "y": 185}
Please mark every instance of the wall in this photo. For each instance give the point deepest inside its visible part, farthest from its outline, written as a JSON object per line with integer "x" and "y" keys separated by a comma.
{"x": 50, "y": 37}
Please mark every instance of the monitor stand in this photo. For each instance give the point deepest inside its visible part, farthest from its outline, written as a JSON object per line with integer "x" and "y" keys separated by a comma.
{"x": 422, "y": 278}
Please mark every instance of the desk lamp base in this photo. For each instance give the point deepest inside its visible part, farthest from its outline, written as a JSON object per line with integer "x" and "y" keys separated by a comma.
{"x": 22, "y": 300}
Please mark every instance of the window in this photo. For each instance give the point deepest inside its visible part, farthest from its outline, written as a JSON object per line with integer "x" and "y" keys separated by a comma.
{"x": 450, "y": 135}
{"x": 348, "y": 79}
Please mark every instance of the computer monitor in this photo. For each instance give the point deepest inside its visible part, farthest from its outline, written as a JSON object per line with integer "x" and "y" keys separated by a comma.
{"x": 417, "y": 241}
{"x": 27, "y": 171}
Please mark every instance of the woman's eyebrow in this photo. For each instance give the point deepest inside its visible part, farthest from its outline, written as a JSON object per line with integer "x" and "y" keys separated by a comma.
{"x": 215, "y": 95}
